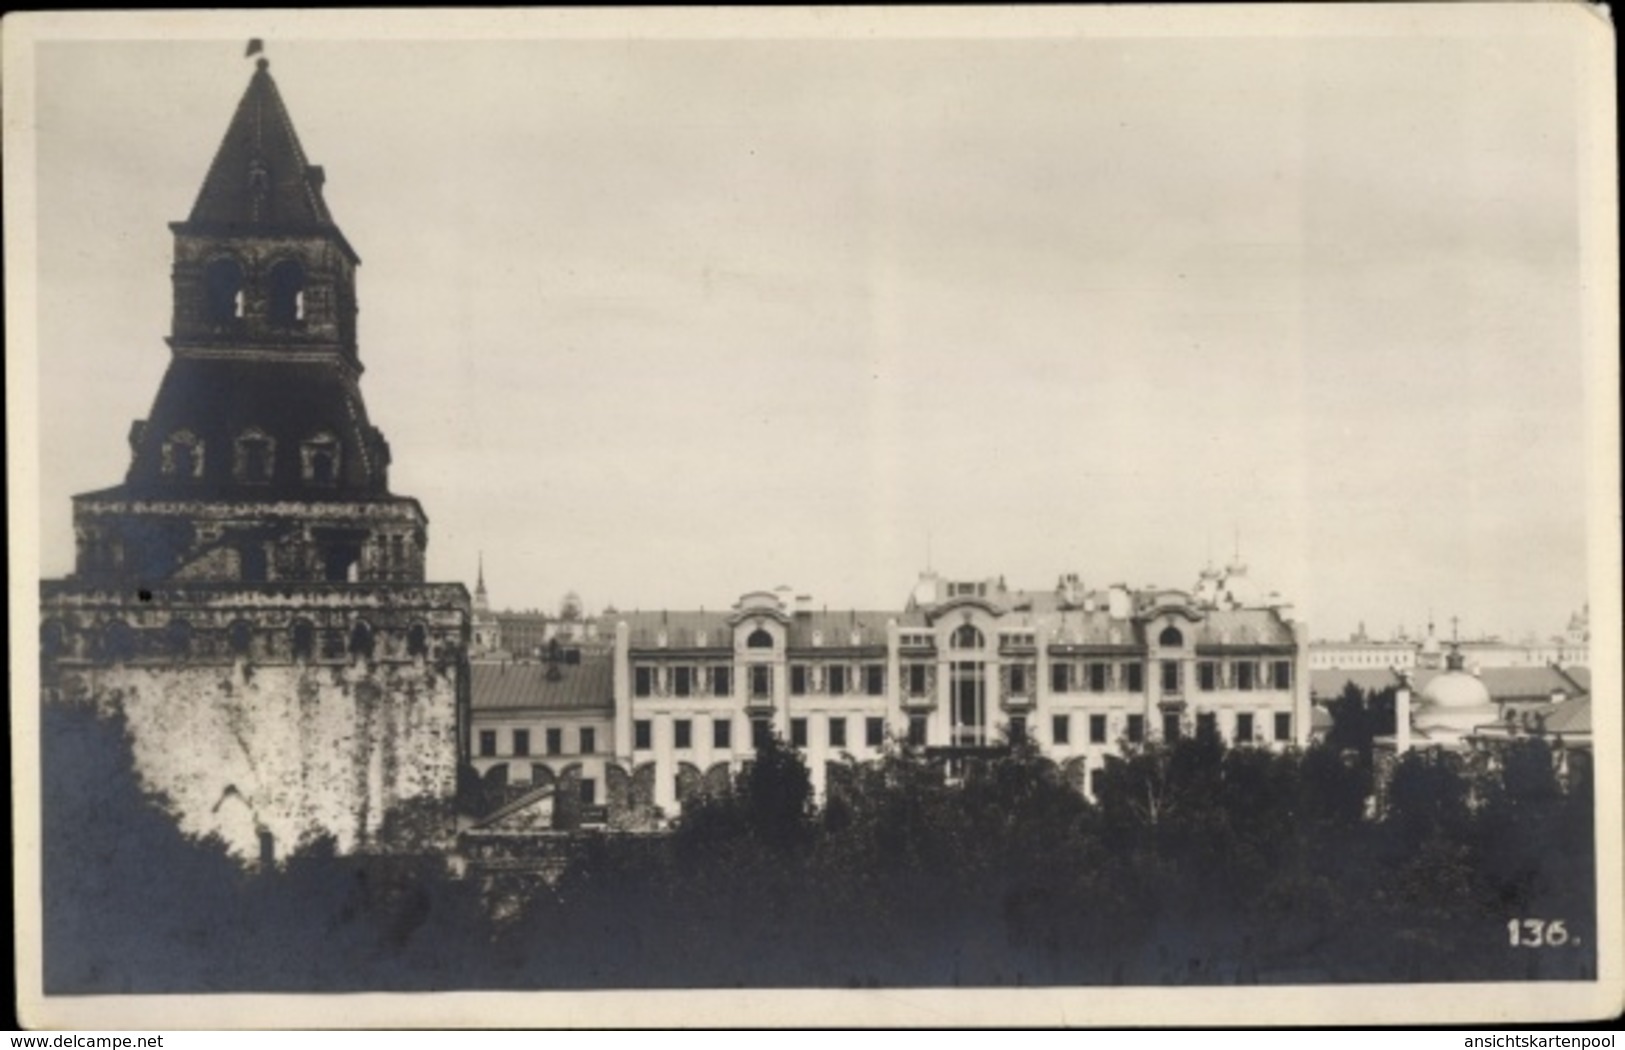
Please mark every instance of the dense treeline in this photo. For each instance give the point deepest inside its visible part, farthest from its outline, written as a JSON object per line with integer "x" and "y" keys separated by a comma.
{"x": 1198, "y": 863}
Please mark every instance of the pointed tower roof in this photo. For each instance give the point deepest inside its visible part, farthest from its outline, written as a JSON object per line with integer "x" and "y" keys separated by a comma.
{"x": 260, "y": 178}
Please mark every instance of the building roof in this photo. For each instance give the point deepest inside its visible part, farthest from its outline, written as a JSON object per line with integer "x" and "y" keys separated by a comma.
{"x": 587, "y": 686}
{"x": 259, "y": 176}
{"x": 1570, "y": 716}
{"x": 1330, "y": 683}
{"x": 1512, "y": 684}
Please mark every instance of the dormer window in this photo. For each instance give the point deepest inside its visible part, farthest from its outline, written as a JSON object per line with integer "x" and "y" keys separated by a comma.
{"x": 255, "y": 456}
{"x": 759, "y": 639}
{"x": 287, "y": 305}
{"x": 966, "y": 636}
{"x": 223, "y": 292}
{"x": 1171, "y": 638}
{"x": 319, "y": 459}
{"x": 183, "y": 456}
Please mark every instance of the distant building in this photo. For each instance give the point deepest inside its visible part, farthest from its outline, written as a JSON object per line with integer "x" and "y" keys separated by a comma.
{"x": 963, "y": 666}
{"x": 251, "y": 597}
{"x": 1571, "y": 648}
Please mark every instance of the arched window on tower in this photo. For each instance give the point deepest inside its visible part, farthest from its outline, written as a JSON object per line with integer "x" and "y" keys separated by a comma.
{"x": 361, "y": 640}
{"x": 966, "y": 636}
{"x": 304, "y": 640}
{"x": 255, "y": 458}
{"x": 319, "y": 459}
{"x": 223, "y": 292}
{"x": 287, "y": 306}
{"x": 183, "y": 456}
{"x": 417, "y": 640}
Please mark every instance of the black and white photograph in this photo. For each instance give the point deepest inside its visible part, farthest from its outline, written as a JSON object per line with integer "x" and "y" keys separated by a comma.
{"x": 890, "y": 516}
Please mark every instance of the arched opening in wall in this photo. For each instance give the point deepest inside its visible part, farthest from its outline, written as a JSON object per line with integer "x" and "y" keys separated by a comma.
{"x": 417, "y": 640}
{"x": 304, "y": 640}
{"x": 361, "y": 640}
{"x": 1171, "y": 638}
{"x": 255, "y": 457}
{"x": 118, "y": 642}
{"x": 178, "y": 637}
{"x": 342, "y": 562}
{"x": 223, "y": 292}
{"x": 53, "y": 640}
{"x": 966, "y": 636}
{"x": 319, "y": 459}
{"x": 240, "y": 637}
{"x": 183, "y": 456}
{"x": 287, "y": 306}
{"x": 759, "y": 639}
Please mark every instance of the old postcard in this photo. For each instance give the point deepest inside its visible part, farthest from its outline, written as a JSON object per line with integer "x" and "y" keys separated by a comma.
{"x": 1086, "y": 516}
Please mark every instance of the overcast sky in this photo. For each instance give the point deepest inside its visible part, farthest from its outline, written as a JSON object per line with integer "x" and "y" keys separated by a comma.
{"x": 664, "y": 321}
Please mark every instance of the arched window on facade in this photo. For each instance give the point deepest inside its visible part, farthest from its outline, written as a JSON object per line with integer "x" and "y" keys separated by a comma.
{"x": 240, "y": 637}
{"x": 118, "y": 641}
{"x": 1171, "y": 637}
{"x": 417, "y": 640}
{"x": 759, "y": 639}
{"x": 319, "y": 459}
{"x": 361, "y": 640}
{"x": 966, "y": 636}
{"x": 223, "y": 292}
{"x": 183, "y": 456}
{"x": 287, "y": 305}
{"x": 304, "y": 639}
{"x": 53, "y": 639}
{"x": 178, "y": 637}
{"x": 255, "y": 457}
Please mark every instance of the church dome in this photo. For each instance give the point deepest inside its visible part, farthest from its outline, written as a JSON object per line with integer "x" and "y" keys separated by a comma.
{"x": 1455, "y": 690}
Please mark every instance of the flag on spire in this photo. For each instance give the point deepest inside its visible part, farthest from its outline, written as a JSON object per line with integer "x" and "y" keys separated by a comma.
{"x": 255, "y": 46}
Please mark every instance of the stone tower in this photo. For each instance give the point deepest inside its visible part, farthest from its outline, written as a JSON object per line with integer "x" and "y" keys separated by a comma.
{"x": 252, "y": 596}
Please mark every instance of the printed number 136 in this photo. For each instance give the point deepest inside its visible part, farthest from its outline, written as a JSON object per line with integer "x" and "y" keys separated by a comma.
{"x": 1537, "y": 933}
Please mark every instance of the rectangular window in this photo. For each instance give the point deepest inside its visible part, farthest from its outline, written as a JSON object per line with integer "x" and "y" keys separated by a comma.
{"x": 1207, "y": 676}
{"x": 1170, "y": 727}
{"x": 837, "y": 681}
{"x": 1282, "y": 678}
{"x": 643, "y": 681}
{"x": 642, "y": 734}
{"x": 1018, "y": 728}
{"x": 1097, "y": 729}
{"x": 1136, "y": 729}
{"x": 722, "y": 733}
{"x": 874, "y": 679}
{"x": 1244, "y": 727}
{"x": 488, "y": 742}
{"x": 1135, "y": 673}
{"x": 1060, "y": 677}
{"x": 916, "y": 679}
{"x": 837, "y": 732}
{"x": 1283, "y": 726}
{"x": 1060, "y": 729}
{"x": 521, "y": 742}
{"x": 1096, "y": 778}
{"x": 1018, "y": 681}
{"x": 798, "y": 680}
{"x": 1170, "y": 677}
{"x": 1246, "y": 672}
{"x": 683, "y": 732}
{"x": 798, "y": 732}
{"x": 589, "y": 740}
{"x": 722, "y": 681}
{"x": 589, "y": 792}
{"x": 761, "y": 731}
{"x": 1207, "y": 724}
{"x": 682, "y": 680}
{"x": 1097, "y": 678}
{"x": 874, "y": 732}
{"x": 555, "y": 741}
{"x": 916, "y": 730}
{"x": 761, "y": 681}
